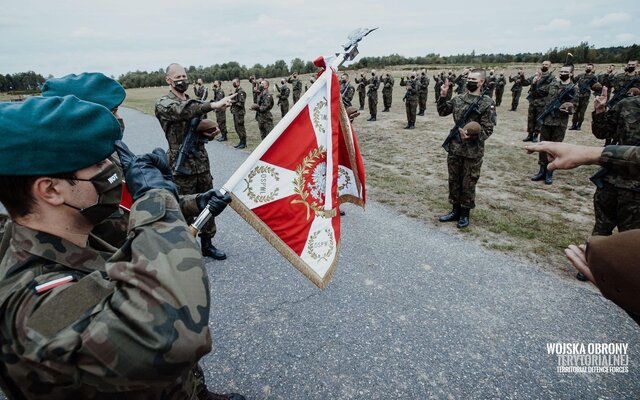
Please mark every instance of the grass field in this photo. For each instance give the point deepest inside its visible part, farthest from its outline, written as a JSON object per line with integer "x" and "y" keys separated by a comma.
{"x": 406, "y": 170}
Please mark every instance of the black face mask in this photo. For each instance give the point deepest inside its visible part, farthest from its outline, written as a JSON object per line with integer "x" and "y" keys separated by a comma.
{"x": 342, "y": 81}
{"x": 472, "y": 86}
{"x": 413, "y": 77}
{"x": 181, "y": 85}
{"x": 588, "y": 70}
{"x": 564, "y": 77}
{"x": 544, "y": 69}
{"x": 630, "y": 69}
{"x": 108, "y": 184}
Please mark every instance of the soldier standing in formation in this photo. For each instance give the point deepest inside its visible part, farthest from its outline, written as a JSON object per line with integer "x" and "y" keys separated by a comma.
{"x": 491, "y": 83}
{"x": 438, "y": 81}
{"x": 200, "y": 90}
{"x": 460, "y": 81}
{"x": 501, "y": 82}
{"x": 554, "y": 126}
{"x": 585, "y": 82}
{"x": 465, "y": 156}
{"x": 237, "y": 110}
{"x": 175, "y": 111}
{"x": 255, "y": 87}
{"x": 221, "y": 114}
{"x": 606, "y": 79}
{"x": 296, "y": 86}
{"x": 362, "y": 89}
{"x": 423, "y": 92}
{"x": 410, "y": 99}
{"x": 346, "y": 90}
{"x": 538, "y": 91}
{"x": 283, "y": 97}
{"x": 627, "y": 79}
{"x": 263, "y": 109}
{"x": 516, "y": 89}
{"x": 372, "y": 95}
{"x": 387, "y": 91}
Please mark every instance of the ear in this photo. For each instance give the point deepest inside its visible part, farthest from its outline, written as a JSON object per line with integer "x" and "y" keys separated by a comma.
{"x": 168, "y": 80}
{"x": 48, "y": 190}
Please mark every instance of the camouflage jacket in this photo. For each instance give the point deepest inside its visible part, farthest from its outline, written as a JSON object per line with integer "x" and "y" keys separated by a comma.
{"x": 584, "y": 82}
{"x": 265, "y": 104}
{"x": 218, "y": 94}
{"x": 174, "y": 116}
{"x": 374, "y": 84}
{"x": 201, "y": 92}
{"x": 624, "y": 160}
{"x": 423, "y": 84}
{"x": 557, "y": 117}
{"x": 387, "y": 84}
{"x": 517, "y": 82}
{"x": 411, "y": 96}
{"x": 501, "y": 82}
{"x": 296, "y": 85}
{"x": 457, "y": 106}
{"x": 362, "y": 84}
{"x": 622, "y": 79}
{"x": 131, "y": 322}
{"x": 347, "y": 91}
{"x": 607, "y": 79}
{"x": 540, "y": 89}
{"x": 283, "y": 93}
{"x": 237, "y": 104}
{"x": 621, "y": 124}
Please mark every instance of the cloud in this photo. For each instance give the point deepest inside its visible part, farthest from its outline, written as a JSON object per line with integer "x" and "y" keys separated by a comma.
{"x": 629, "y": 38}
{"x": 610, "y": 19}
{"x": 555, "y": 25}
{"x": 89, "y": 33}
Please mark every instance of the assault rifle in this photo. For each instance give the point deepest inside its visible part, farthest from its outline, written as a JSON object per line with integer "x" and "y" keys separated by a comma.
{"x": 454, "y": 133}
{"x": 622, "y": 92}
{"x": 188, "y": 146}
{"x": 586, "y": 86}
{"x": 542, "y": 81}
{"x": 555, "y": 103}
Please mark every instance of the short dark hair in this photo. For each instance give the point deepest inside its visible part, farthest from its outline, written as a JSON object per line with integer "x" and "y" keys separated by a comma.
{"x": 16, "y": 194}
{"x": 570, "y": 66}
{"x": 480, "y": 71}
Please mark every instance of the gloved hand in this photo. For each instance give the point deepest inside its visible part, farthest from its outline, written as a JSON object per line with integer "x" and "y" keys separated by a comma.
{"x": 145, "y": 172}
{"x": 214, "y": 200}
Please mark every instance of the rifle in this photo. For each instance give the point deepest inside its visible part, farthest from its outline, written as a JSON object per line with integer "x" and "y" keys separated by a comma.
{"x": 622, "y": 92}
{"x": 188, "y": 146}
{"x": 454, "y": 133}
{"x": 555, "y": 103}
{"x": 540, "y": 82}
{"x": 586, "y": 86}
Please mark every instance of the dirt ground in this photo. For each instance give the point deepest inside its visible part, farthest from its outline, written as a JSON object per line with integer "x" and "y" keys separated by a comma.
{"x": 406, "y": 170}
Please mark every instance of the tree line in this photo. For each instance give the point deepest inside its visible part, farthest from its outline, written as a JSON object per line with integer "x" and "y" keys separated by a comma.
{"x": 22, "y": 82}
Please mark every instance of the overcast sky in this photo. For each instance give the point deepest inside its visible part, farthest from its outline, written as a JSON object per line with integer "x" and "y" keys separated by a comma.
{"x": 61, "y": 37}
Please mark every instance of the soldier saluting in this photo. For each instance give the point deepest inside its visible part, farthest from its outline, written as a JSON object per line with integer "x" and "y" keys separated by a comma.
{"x": 263, "y": 109}
{"x": 283, "y": 96}
{"x": 410, "y": 99}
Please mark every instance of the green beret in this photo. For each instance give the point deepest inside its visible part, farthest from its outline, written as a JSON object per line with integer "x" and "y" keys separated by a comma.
{"x": 51, "y": 135}
{"x": 89, "y": 86}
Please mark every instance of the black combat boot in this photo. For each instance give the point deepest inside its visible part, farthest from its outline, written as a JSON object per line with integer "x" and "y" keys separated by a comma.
{"x": 209, "y": 250}
{"x": 222, "y": 138}
{"x": 421, "y": 114}
{"x": 412, "y": 126}
{"x": 408, "y": 126}
{"x": 242, "y": 144}
{"x": 548, "y": 178}
{"x": 579, "y": 126}
{"x": 535, "y": 137}
{"x": 529, "y": 138}
{"x": 385, "y": 110}
{"x": 541, "y": 174}
{"x": 372, "y": 118}
{"x": 573, "y": 127}
{"x": 454, "y": 215}
{"x": 463, "y": 222}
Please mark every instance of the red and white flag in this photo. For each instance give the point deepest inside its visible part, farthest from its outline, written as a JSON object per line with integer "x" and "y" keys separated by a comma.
{"x": 289, "y": 187}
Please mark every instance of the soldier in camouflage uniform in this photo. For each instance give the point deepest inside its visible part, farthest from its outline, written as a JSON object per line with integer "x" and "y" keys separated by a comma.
{"x": 410, "y": 99}
{"x": 362, "y": 89}
{"x": 501, "y": 82}
{"x": 627, "y": 79}
{"x": 538, "y": 91}
{"x": 516, "y": 89}
{"x": 373, "y": 84}
{"x": 438, "y": 81}
{"x": 606, "y": 79}
{"x": 200, "y": 90}
{"x": 296, "y": 86}
{"x": 283, "y": 97}
{"x": 423, "y": 92}
{"x": 255, "y": 87}
{"x": 237, "y": 110}
{"x": 460, "y": 81}
{"x": 554, "y": 125}
{"x": 175, "y": 112}
{"x": 387, "y": 82}
{"x": 617, "y": 202}
{"x": 221, "y": 115}
{"x": 465, "y": 156}
{"x": 263, "y": 110}
{"x": 63, "y": 290}
{"x": 491, "y": 83}
{"x": 585, "y": 82}
{"x": 346, "y": 90}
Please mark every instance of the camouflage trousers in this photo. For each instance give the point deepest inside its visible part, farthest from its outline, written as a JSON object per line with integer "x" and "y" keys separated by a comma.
{"x": 296, "y": 96}
{"x": 193, "y": 184}
{"x": 464, "y": 173}
{"x": 422, "y": 101}
{"x": 550, "y": 134}
{"x": 499, "y": 94}
{"x": 238, "y": 124}
{"x": 411, "y": 107}
{"x": 284, "y": 107}
{"x": 386, "y": 99}
{"x": 265, "y": 127}
{"x": 361, "y": 97}
{"x": 613, "y": 207}
{"x": 515, "y": 99}
{"x": 578, "y": 116}
{"x": 373, "y": 103}
{"x": 532, "y": 114}
{"x": 221, "y": 118}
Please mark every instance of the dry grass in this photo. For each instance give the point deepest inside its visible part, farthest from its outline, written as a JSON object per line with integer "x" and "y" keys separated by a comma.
{"x": 406, "y": 170}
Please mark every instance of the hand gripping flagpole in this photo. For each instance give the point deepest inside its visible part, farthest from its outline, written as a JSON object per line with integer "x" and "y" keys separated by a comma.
{"x": 349, "y": 53}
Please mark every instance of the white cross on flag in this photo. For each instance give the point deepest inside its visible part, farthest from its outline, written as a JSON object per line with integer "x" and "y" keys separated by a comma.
{"x": 290, "y": 187}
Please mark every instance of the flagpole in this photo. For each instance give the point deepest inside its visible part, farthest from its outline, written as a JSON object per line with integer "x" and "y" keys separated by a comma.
{"x": 328, "y": 186}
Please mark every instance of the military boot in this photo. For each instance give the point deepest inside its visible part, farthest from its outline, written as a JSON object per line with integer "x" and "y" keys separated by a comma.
{"x": 579, "y": 126}
{"x": 209, "y": 250}
{"x": 463, "y": 222}
{"x": 529, "y": 138}
{"x": 408, "y": 126}
{"x": 535, "y": 137}
{"x": 454, "y": 215}
{"x": 573, "y": 127}
{"x": 541, "y": 174}
{"x": 372, "y": 118}
{"x": 222, "y": 138}
{"x": 242, "y": 144}
{"x": 548, "y": 178}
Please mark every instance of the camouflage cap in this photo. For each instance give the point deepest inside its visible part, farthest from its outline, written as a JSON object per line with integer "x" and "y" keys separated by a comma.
{"x": 89, "y": 86}
{"x": 472, "y": 128}
{"x": 51, "y": 135}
